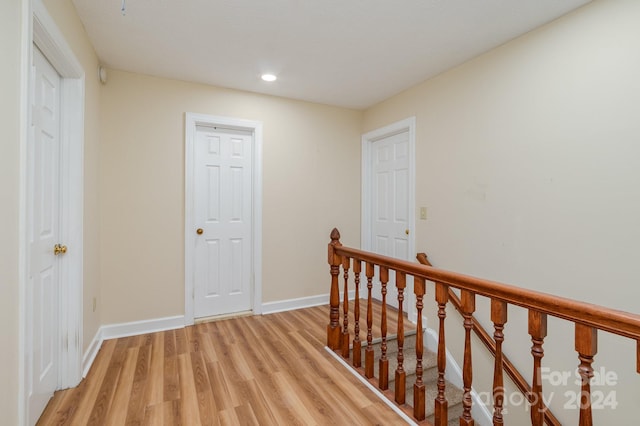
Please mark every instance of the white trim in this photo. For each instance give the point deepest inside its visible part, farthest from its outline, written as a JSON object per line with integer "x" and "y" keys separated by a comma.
{"x": 191, "y": 121}
{"x": 71, "y": 227}
{"x": 300, "y": 302}
{"x": 41, "y": 30}
{"x": 135, "y": 328}
{"x": 91, "y": 352}
{"x": 127, "y": 329}
{"x": 372, "y": 388}
{"x": 25, "y": 110}
{"x": 52, "y": 43}
{"x": 453, "y": 374}
{"x": 292, "y": 304}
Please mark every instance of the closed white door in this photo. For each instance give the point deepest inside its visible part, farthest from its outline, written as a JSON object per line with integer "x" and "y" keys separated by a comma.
{"x": 389, "y": 199}
{"x": 390, "y": 206}
{"x": 223, "y": 272}
{"x": 44, "y": 265}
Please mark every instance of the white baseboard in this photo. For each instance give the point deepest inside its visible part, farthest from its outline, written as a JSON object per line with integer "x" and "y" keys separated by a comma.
{"x": 91, "y": 352}
{"x": 126, "y": 329}
{"x": 453, "y": 374}
{"x": 114, "y": 331}
{"x": 134, "y": 328}
{"x": 299, "y": 303}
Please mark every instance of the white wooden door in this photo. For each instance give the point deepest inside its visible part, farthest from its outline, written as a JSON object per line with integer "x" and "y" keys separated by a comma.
{"x": 389, "y": 211}
{"x": 44, "y": 265}
{"x": 390, "y": 196}
{"x": 223, "y": 272}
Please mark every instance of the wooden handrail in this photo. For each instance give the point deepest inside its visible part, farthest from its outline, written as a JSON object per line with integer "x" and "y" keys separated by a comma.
{"x": 587, "y": 318}
{"x": 517, "y": 378}
{"x": 613, "y": 321}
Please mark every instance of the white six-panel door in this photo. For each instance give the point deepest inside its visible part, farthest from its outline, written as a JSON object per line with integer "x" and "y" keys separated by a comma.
{"x": 223, "y": 220}
{"x": 44, "y": 272}
{"x": 388, "y": 199}
{"x": 390, "y": 202}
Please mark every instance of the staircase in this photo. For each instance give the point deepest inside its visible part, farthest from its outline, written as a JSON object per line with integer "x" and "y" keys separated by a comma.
{"x": 430, "y": 376}
{"x": 355, "y": 264}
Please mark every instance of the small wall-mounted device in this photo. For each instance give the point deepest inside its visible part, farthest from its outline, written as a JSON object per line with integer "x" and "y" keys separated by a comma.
{"x": 102, "y": 73}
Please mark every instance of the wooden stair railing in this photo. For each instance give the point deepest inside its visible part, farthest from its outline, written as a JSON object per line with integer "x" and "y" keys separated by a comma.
{"x": 494, "y": 345}
{"x": 588, "y": 319}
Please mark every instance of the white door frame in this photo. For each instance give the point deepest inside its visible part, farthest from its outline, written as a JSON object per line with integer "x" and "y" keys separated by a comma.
{"x": 255, "y": 127}
{"x": 41, "y": 30}
{"x": 408, "y": 124}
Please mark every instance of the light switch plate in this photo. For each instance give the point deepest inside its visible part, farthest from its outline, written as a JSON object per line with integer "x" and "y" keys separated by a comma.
{"x": 423, "y": 213}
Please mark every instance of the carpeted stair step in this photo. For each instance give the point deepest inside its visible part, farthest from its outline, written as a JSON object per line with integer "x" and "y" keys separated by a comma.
{"x": 392, "y": 344}
{"x": 452, "y": 393}
{"x": 430, "y": 376}
{"x": 429, "y": 364}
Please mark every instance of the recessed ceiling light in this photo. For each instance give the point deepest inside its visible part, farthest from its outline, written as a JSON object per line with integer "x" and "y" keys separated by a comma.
{"x": 269, "y": 77}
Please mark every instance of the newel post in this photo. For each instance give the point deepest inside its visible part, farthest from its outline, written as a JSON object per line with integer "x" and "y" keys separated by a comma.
{"x": 333, "y": 329}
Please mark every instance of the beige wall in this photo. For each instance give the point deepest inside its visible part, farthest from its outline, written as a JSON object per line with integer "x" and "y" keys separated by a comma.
{"x": 528, "y": 162}
{"x": 65, "y": 17}
{"x": 10, "y": 46}
{"x": 310, "y": 184}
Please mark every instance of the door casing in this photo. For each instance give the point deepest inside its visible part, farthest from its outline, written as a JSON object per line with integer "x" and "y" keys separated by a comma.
{"x": 40, "y": 30}
{"x": 368, "y": 139}
{"x": 193, "y": 120}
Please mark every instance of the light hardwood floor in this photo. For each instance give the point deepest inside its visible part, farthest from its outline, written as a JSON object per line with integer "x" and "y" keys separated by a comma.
{"x": 257, "y": 370}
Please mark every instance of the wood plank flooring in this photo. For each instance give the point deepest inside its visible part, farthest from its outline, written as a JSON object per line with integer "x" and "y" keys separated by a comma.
{"x": 256, "y": 370}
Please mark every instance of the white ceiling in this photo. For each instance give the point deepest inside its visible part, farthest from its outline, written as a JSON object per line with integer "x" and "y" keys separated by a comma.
{"x": 351, "y": 53}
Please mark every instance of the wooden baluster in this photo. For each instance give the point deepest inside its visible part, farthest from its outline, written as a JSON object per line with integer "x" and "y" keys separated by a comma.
{"x": 368, "y": 353}
{"x": 383, "y": 364}
{"x": 468, "y": 307}
{"x": 333, "y": 328}
{"x": 638, "y": 357}
{"x": 586, "y": 346}
{"x": 419, "y": 390}
{"x": 538, "y": 331}
{"x": 345, "y": 309}
{"x": 401, "y": 375}
{"x": 357, "y": 345}
{"x": 499, "y": 318}
{"x": 441, "y": 403}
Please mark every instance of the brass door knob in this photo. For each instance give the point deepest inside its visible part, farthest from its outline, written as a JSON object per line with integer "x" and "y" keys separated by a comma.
{"x": 59, "y": 249}
{"x": 406, "y": 231}
{"x": 199, "y": 231}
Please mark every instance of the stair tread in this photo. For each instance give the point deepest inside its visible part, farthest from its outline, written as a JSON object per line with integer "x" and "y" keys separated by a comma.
{"x": 429, "y": 361}
{"x": 453, "y": 394}
{"x": 409, "y": 342}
